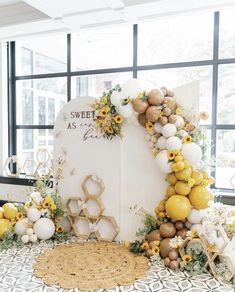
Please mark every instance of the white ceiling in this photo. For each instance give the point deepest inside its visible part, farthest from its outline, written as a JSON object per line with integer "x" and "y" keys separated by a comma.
{"x": 22, "y": 18}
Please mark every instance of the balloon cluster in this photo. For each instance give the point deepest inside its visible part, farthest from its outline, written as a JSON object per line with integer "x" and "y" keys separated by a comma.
{"x": 8, "y": 213}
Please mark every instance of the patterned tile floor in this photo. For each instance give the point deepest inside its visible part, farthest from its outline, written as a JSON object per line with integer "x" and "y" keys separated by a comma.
{"x": 16, "y": 275}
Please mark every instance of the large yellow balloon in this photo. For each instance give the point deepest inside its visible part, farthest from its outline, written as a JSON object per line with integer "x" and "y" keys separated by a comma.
{"x": 182, "y": 188}
{"x": 1, "y": 212}
{"x": 5, "y": 226}
{"x": 178, "y": 207}
{"x": 197, "y": 176}
{"x": 200, "y": 196}
{"x": 10, "y": 211}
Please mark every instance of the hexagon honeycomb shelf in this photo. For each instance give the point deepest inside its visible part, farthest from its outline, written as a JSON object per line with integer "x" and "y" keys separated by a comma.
{"x": 97, "y": 183}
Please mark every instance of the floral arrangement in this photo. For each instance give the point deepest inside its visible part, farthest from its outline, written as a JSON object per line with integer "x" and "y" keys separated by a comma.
{"x": 41, "y": 218}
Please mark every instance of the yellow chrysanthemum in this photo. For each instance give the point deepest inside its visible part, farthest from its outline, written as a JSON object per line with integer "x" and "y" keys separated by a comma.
{"x": 118, "y": 119}
{"x": 187, "y": 258}
{"x": 171, "y": 155}
{"x": 59, "y": 228}
{"x": 145, "y": 245}
{"x": 155, "y": 250}
{"x": 20, "y": 216}
{"x": 149, "y": 126}
{"x": 178, "y": 111}
{"x": 211, "y": 248}
{"x": 187, "y": 139}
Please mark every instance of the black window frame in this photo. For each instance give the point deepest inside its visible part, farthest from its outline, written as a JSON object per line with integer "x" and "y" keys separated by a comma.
{"x": 135, "y": 68}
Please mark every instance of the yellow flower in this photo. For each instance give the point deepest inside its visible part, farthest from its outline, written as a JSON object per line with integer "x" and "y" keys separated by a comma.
{"x": 156, "y": 242}
{"x": 142, "y": 94}
{"x": 187, "y": 258}
{"x": 103, "y": 112}
{"x": 191, "y": 182}
{"x": 171, "y": 155}
{"x": 179, "y": 157}
{"x": 118, "y": 119}
{"x": 53, "y": 207}
{"x": 162, "y": 214}
{"x": 48, "y": 200}
{"x": 145, "y": 245}
{"x": 187, "y": 139}
{"x": 110, "y": 130}
{"x": 45, "y": 204}
{"x": 149, "y": 126}
{"x": 105, "y": 99}
{"x": 20, "y": 216}
{"x": 211, "y": 247}
{"x": 126, "y": 243}
{"x": 189, "y": 126}
{"x": 155, "y": 249}
{"x": 178, "y": 111}
{"x": 59, "y": 228}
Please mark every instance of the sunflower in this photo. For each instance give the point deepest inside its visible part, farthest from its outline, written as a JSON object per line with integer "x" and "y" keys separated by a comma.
{"x": 149, "y": 126}
{"x": 155, "y": 249}
{"x": 59, "y": 228}
{"x": 45, "y": 205}
{"x": 187, "y": 139}
{"x": 118, "y": 119}
{"x": 178, "y": 111}
{"x": 171, "y": 155}
{"x": 104, "y": 112}
{"x": 145, "y": 245}
{"x": 20, "y": 216}
{"x": 187, "y": 258}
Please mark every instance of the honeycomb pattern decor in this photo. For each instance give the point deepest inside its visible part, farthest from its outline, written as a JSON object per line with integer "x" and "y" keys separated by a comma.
{"x": 87, "y": 216}
{"x": 7, "y": 166}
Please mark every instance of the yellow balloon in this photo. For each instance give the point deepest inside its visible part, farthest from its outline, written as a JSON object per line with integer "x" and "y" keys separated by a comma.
{"x": 178, "y": 207}
{"x": 5, "y": 226}
{"x": 200, "y": 196}
{"x": 1, "y": 212}
{"x": 171, "y": 178}
{"x": 10, "y": 211}
{"x": 232, "y": 213}
{"x": 182, "y": 188}
{"x": 184, "y": 174}
{"x": 197, "y": 176}
{"x": 170, "y": 191}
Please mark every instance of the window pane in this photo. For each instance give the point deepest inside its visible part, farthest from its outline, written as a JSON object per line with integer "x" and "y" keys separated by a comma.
{"x": 39, "y": 101}
{"x": 225, "y": 157}
{"x": 175, "y": 77}
{"x": 226, "y": 94}
{"x": 95, "y": 85}
{"x": 29, "y": 141}
{"x": 176, "y": 39}
{"x": 227, "y": 34}
{"x": 102, "y": 48}
{"x": 41, "y": 55}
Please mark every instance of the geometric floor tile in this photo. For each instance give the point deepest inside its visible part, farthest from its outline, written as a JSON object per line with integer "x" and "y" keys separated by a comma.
{"x": 16, "y": 275}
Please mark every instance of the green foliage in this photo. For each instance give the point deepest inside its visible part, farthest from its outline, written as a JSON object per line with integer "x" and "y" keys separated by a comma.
{"x": 150, "y": 224}
{"x": 135, "y": 247}
{"x": 10, "y": 240}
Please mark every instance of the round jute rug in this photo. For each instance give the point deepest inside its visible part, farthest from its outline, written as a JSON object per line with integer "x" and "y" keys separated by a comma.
{"x": 90, "y": 266}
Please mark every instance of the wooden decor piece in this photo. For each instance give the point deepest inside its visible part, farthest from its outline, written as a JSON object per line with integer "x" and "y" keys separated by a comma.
{"x": 12, "y": 159}
{"x": 30, "y": 164}
{"x": 43, "y": 152}
{"x": 90, "y": 212}
{"x": 90, "y": 266}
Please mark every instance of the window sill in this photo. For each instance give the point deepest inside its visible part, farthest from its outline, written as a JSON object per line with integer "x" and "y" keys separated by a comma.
{"x": 17, "y": 181}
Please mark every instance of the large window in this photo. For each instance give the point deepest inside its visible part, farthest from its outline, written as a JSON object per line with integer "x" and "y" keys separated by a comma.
{"x": 47, "y": 72}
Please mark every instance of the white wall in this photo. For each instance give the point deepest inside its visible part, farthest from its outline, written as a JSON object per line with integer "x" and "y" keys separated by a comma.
{"x": 14, "y": 192}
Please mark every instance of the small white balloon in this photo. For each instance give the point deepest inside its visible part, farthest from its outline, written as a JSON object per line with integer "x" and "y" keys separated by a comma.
{"x": 169, "y": 130}
{"x": 192, "y": 152}
{"x": 195, "y": 216}
{"x": 173, "y": 143}
{"x": 131, "y": 88}
{"x": 33, "y": 214}
{"x": 126, "y": 110}
{"x": 157, "y": 127}
{"x": 116, "y": 98}
{"x": 196, "y": 227}
{"x": 25, "y": 238}
{"x": 21, "y": 226}
{"x": 179, "y": 122}
{"x": 29, "y": 231}
{"x": 162, "y": 162}
{"x": 161, "y": 143}
{"x": 44, "y": 228}
{"x": 33, "y": 238}
{"x": 150, "y": 144}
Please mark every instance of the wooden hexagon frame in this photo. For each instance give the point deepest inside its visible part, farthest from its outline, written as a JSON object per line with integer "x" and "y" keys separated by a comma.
{"x": 43, "y": 165}
{"x": 115, "y": 228}
{"x": 95, "y": 179}
{"x": 48, "y": 154}
{"x": 101, "y": 207}
{"x": 70, "y": 212}
{"x": 76, "y": 229}
{"x": 25, "y": 167}
{"x": 7, "y": 169}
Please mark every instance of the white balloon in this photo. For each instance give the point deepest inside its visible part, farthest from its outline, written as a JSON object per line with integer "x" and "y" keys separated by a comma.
{"x": 21, "y": 226}
{"x": 157, "y": 127}
{"x": 169, "y": 130}
{"x": 33, "y": 214}
{"x": 126, "y": 110}
{"x": 25, "y": 238}
{"x": 173, "y": 143}
{"x": 66, "y": 224}
{"x": 179, "y": 121}
{"x": 182, "y": 133}
{"x": 29, "y": 231}
{"x": 196, "y": 227}
{"x": 195, "y": 216}
{"x": 131, "y": 88}
{"x": 150, "y": 144}
{"x": 33, "y": 238}
{"x": 162, "y": 162}
{"x": 44, "y": 228}
{"x": 161, "y": 143}
{"x": 154, "y": 139}
{"x": 192, "y": 152}
{"x": 116, "y": 98}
